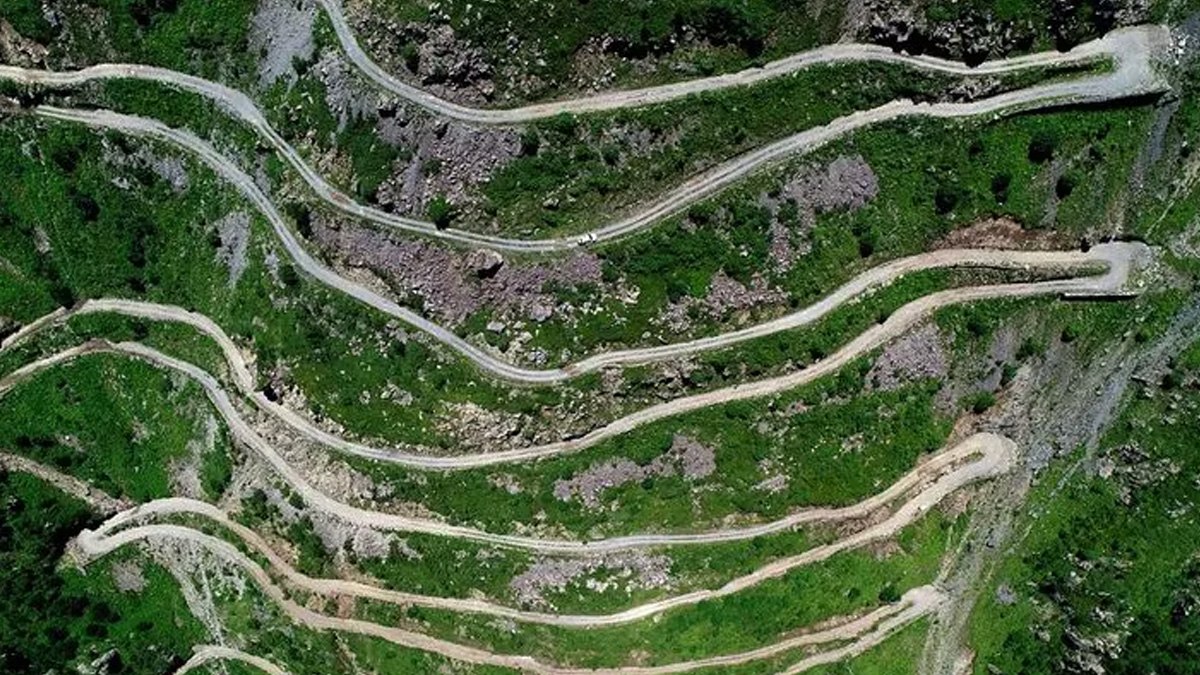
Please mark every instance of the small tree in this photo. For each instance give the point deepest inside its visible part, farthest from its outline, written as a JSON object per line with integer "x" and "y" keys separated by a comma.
{"x": 530, "y": 142}
{"x": 1000, "y": 185}
{"x": 288, "y": 275}
{"x": 981, "y": 401}
{"x": 1064, "y": 186}
{"x": 411, "y": 56}
{"x": 1041, "y": 147}
{"x": 946, "y": 197}
{"x": 441, "y": 212}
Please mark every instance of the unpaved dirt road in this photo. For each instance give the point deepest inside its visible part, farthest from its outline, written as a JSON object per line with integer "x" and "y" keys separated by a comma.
{"x": 1121, "y": 257}
{"x": 96, "y": 499}
{"x": 993, "y": 460}
{"x": 980, "y": 449}
{"x": 999, "y": 458}
{"x": 613, "y": 100}
{"x": 917, "y": 602}
{"x": 1062, "y": 262}
{"x": 204, "y": 655}
{"x": 1132, "y": 50}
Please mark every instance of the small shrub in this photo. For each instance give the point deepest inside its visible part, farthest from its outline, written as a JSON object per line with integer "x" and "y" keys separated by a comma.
{"x": 702, "y": 213}
{"x": 1042, "y": 147}
{"x": 1064, "y": 186}
{"x": 947, "y": 196}
{"x": 530, "y": 142}
{"x": 980, "y": 402}
{"x": 288, "y": 275}
{"x": 1172, "y": 380}
{"x": 441, "y": 212}
{"x": 888, "y": 594}
{"x": 412, "y": 57}
{"x": 563, "y": 124}
{"x": 1000, "y": 185}
{"x": 1007, "y": 374}
{"x": 1030, "y": 347}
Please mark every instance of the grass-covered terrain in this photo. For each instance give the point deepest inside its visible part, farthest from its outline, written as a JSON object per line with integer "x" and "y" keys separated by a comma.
{"x": 574, "y": 172}
{"x": 176, "y": 339}
{"x": 85, "y": 217}
{"x": 204, "y": 37}
{"x": 535, "y": 48}
{"x": 1102, "y": 572}
{"x": 975, "y": 169}
{"x": 852, "y": 580}
{"x": 582, "y": 171}
{"x": 844, "y": 584}
{"x": 1058, "y": 172}
{"x": 879, "y": 451}
{"x": 553, "y": 48}
{"x": 1106, "y": 572}
{"x": 899, "y": 654}
{"x": 127, "y": 611}
{"x": 69, "y": 233}
{"x": 810, "y": 449}
{"x": 52, "y": 616}
{"x": 155, "y": 431}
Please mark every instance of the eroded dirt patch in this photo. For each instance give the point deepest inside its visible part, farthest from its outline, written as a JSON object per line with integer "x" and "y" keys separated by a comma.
{"x": 626, "y": 571}
{"x": 1000, "y": 233}
{"x": 685, "y": 457}
{"x": 451, "y": 285}
{"x": 233, "y": 232}
{"x": 282, "y": 32}
{"x": 917, "y": 355}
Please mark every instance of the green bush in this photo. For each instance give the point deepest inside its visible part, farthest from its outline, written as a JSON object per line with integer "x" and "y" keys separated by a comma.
{"x": 441, "y": 212}
{"x": 980, "y": 402}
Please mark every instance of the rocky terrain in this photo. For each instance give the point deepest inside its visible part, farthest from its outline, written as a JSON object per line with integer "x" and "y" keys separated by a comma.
{"x": 914, "y": 387}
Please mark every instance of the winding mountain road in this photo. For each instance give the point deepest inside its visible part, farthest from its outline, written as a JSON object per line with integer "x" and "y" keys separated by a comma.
{"x": 993, "y": 459}
{"x": 990, "y": 455}
{"x": 615, "y": 100}
{"x": 97, "y": 500}
{"x": 864, "y": 630}
{"x": 914, "y": 604}
{"x": 1122, "y": 259}
{"x": 1122, "y": 256}
{"x": 204, "y": 655}
{"x": 1132, "y": 50}
{"x": 998, "y": 457}
{"x": 1063, "y": 262}
{"x": 482, "y": 358}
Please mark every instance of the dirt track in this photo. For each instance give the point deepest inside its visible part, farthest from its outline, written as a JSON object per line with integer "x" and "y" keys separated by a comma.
{"x": 206, "y": 654}
{"x": 613, "y": 100}
{"x": 871, "y": 627}
{"x": 884, "y": 275}
{"x": 993, "y": 461}
{"x": 1132, "y": 49}
{"x": 1123, "y": 257}
{"x": 96, "y": 499}
{"x": 865, "y": 630}
{"x": 997, "y": 452}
